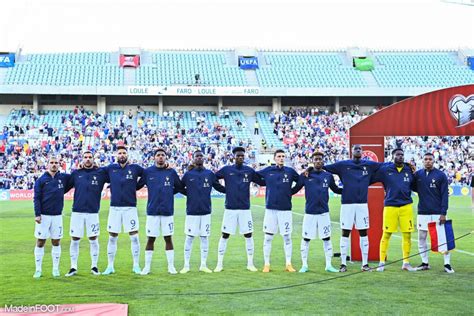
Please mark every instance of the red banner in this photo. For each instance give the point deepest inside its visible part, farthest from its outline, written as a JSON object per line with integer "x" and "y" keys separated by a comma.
{"x": 129, "y": 61}
{"x": 373, "y": 149}
{"x": 443, "y": 112}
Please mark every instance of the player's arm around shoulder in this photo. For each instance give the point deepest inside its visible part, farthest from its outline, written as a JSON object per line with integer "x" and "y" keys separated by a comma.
{"x": 414, "y": 183}
{"x": 221, "y": 172}
{"x": 184, "y": 181}
{"x": 294, "y": 175}
{"x": 261, "y": 174}
{"x": 334, "y": 167}
{"x": 142, "y": 181}
{"x": 333, "y": 186}
{"x": 139, "y": 170}
{"x": 216, "y": 184}
{"x": 379, "y": 174}
{"x": 71, "y": 181}
{"x": 257, "y": 178}
{"x": 299, "y": 184}
{"x": 178, "y": 184}
{"x": 67, "y": 178}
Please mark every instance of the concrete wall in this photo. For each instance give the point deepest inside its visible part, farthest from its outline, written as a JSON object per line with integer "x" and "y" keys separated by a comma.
{"x": 126, "y": 108}
{"x": 249, "y": 105}
{"x": 66, "y": 107}
{"x": 5, "y": 109}
{"x": 250, "y": 110}
{"x": 9, "y": 102}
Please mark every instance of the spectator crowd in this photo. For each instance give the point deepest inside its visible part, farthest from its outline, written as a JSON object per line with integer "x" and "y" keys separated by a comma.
{"x": 24, "y": 149}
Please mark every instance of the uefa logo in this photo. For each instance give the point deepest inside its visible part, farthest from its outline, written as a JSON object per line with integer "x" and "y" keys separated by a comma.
{"x": 369, "y": 155}
{"x": 462, "y": 109}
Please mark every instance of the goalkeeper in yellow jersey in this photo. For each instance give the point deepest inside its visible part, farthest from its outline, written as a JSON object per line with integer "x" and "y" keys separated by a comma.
{"x": 397, "y": 178}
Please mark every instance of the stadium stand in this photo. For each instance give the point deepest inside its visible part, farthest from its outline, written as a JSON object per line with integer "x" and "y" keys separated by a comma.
{"x": 401, "y": 70}
{"x": 215, "y": 68}
{"x": 27, "y": 139}
{"x": 178, "y": 68}
{"x": 267, "y": 129}
{"x": 69, "y": 69}
{"x": 304, "y": 70}
{"x": 84, "y": 58}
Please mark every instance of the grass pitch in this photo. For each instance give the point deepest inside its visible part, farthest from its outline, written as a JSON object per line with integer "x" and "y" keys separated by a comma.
{"x": 391, "y": 292}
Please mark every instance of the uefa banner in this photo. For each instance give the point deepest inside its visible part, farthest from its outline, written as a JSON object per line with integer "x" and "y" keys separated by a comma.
{"x": 7, "y": 60}
{"x": 250, "y": 62}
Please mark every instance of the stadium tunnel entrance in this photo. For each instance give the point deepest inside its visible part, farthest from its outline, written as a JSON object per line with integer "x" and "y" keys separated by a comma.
{"x": 446, "y": 112}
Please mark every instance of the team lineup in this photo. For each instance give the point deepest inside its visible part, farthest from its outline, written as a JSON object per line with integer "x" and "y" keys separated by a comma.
{"x": 281, "y": 182}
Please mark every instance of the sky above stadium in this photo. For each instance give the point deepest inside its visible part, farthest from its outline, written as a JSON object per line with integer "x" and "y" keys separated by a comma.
{"x": 105, "y": 25}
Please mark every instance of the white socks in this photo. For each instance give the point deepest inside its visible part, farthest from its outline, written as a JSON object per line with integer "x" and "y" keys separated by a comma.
{"x": 364, "y": 249}
{"x": 267, "y": 248}
{"x": 74, "y": 253}
{"x": 204, "y": 250}
{"x": 188, "y": 246}
{"x": 249, "y": 243}
{"x": 344, "y": 244}
{"x": 223, "y": 246}
{"x": 447, "y": 258}
{"x": 304, "y": 252}
{"x": 111, "y": 250}
{"x": 221, "y": 251}
{"x": 423, "y": 248}
{"x": 148, "y": 257}
{"x": 327, "y": 244}
{"x": 170, "y": 258}
{"x": 135, "y": 247}
{"x": 56, "y": 254}
{"x": 94, "y": 251}
{"x": 288, "y": 248}
{"x": 422, "y": 245}
{"x": 250, "y": 249}
{"x": 39, "y": 254}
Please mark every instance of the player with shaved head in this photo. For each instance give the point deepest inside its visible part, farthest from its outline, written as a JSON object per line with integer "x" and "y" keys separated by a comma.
{"x": 356, "y": 176}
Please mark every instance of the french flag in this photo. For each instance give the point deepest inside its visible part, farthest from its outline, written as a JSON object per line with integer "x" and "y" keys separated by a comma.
{"x": 442, "y": 236}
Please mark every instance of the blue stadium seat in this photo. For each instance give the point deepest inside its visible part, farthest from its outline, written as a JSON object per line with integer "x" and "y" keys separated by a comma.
{"x": 179, "y": 68}
{"x": 267, "y": 131}
{"x": 68, "y": 69}
{"x": 436, "y": 70}
{"x": 308, "y": 70}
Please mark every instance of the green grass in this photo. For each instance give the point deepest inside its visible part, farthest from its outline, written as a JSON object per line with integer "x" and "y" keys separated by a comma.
{"x": 392, "y": 292}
